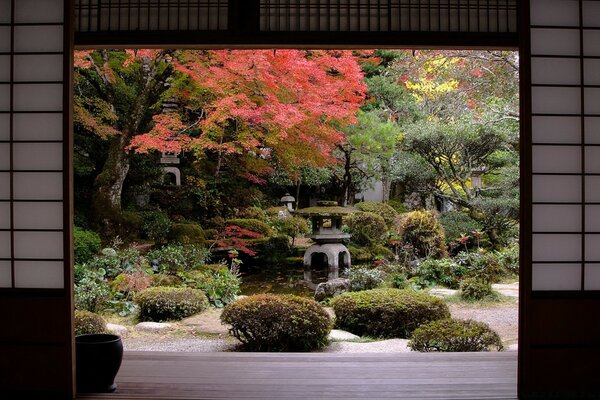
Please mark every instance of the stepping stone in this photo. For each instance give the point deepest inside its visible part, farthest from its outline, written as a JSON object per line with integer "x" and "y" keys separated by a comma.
{"x": 442, "y": 292}
{"x": 118, "y": 329}
{"x": 152, "y": 326}
{"x": 339, "y": 335}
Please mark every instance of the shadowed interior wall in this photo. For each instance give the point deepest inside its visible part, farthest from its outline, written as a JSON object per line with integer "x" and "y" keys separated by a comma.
{"x": 35, "y": 217}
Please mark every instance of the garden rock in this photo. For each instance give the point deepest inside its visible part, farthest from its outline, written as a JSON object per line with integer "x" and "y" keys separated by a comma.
{"x": 442, "y": 292}
{"x": 118, "y": 329}
{"x": 339, "y": 335}
{"x": 332, "y": 288}
{"x": 153, "y": 326}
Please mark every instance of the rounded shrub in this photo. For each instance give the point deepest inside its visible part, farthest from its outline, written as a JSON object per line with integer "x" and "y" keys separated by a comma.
{"x": 170, "y": 303}
{"x": 175, "y": 258}
{"x": 293, "y": 227}
{"x": 384, "y": 210}
{"x": 366, "y": 228}
{"x": 268, "y": 322}
{"x": 456, "y": 224}
{"x": 156, "y": 225}
{"x": 423, "y": 231}
{"x": 387, "y": 313}
{"x": 364, "y": 278}
{"x": 253, "y": 213}
{"x": 166, "y": 280}
{"x": 86, "y": 322}
{"x": 251, "y": 224}
{"x": 85, "y": 244}
{"x": 451, "y": 335}
{"x": 475, "y": 289}
{"x": 186, "y": 234}
{"x": 444, "y": 272}
{"x": 220, "y": 286}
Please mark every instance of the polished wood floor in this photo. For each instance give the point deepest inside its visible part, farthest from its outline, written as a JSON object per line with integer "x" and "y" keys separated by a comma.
{"x": 154, "y": 375}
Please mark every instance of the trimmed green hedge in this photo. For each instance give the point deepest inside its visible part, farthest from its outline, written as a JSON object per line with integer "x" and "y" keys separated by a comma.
{"x": 382, "y": 209}
{"x": 86, "y": 322}
{"x": 170, "y": 303}
{"x": 186, "y": 234}
{"x": 268, "y": 322}
{"x": 386, "y": 313}
{"x": 451, "y": 335}
{"x": 85, "y": 245}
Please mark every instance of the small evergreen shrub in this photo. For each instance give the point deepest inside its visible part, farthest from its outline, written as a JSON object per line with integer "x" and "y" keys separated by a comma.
{"x": 85, "y": 244}
{"x": 482, "y": 265}
{"x": 360, "y": 254}
{"x": 220, "y": 286}
{"x": 86, "y": 322}
{"x": 451, "y": 335}
{"x": 271, "y": 251}
{"x": 423, "y": 231}
{"x": 366, "y": 228}
{"x": 398, "y": 280}
{"x": 384, "y": 210}
{"x": 475, "y": 289}
{"x": 456, "y": 224}
{"x": 186, "y": 234}
{"x": 293, "y": 227}
{"x": 91, "y": 291}
{"x": 387, "y": 313}
{"x": 267, "y": 322}
{"x": 156, "y": 225}
{"x": 253, "y": 225}
{"x": 176, "y": 258}
{"x": 166, "y": 280}
{"x": 509, "y": 259}
{"x": 444, "y": 272}
{"x": 253, "y": 213}
{"x": 170, "y": 303}
{"x": 364, "y": 278}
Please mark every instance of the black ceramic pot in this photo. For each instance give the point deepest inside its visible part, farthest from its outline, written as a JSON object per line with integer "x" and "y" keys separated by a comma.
{"x": 98, "y": 358}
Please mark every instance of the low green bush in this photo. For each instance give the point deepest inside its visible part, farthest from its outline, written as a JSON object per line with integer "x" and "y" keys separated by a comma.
{"x": 176, "y": 258}
{"x": 483, "y": 265}
{"x": 398, "y": 280}
{"x": 268, "y": 322}
{"x": 456, "y": 224}
{"x": 156, "y": 225}
{"x": 386, "y": 313}
{"x": 271, "y": 251}
{"x": 186, "y": 234}
{"x": 362, "y": 277}
{"x": 451, "y": 335}
{"x": 509, "y": 259}
{"x": 166, "y": 280}
{"x": 253, "y": 213}
{"x": 366, "y": 228}
{"x": 253, "y": 225}
{"x": 475, "y": 289}
{"x": 423, "y": 231}
{"x": 170, "y": 303}
{"x": 360, "y": 254}
{"x": 293, "y": 227}
{"x": 86, "y": 322}
{"x": 91, "y": 291}
{"x": 444, "y": 272}
{"x": 220, "y": 286}
{"x": 384, "y": 210}
{"x": 85, "y": 244}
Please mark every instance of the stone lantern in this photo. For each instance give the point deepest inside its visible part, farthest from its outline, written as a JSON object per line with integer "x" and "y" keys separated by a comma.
{"x": 288, "y": 200}
{"x": 327, "y": 233}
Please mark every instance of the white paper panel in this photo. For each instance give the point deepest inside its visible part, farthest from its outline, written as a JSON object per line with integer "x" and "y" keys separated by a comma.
{"x": 4, "y": 97}
{"x": 555, "y": 42}
{"x": 555, "y": 71}
{"x": 555, "y": 218}
{"x": 557, "y": 188}
{"x": 592, "y": 130}
{"x": 554, "y": 12}
{"x": 592, "y": 218}
{"x": 4, "y": 215}
{"x": 38, "y": 186}
{"x": 4, "y": 68}
{"x": 38, "y": 244}
{"x": 591, "y": 13}
{"x": 37, "y": 126}
{"x": 5, "y": 39}
{"x": 32, "y": 68}
{"x": 39, "y": 274}
{"x": 556, "y": 129}
{"x": 38, "y": 38}
{"x": 591, "y": 43}
{"x": 556, "y": 100}
{"x": 5, "y": 244}
{"x": 4, "y": 156}
{"x": 38, "y": 97}
{"x": 556, "y": 159}
{"x": 38, "y": 215}
{"x": 5, "y": 11}
{"x": 592, "y": 277}
{"x": 592, "y": 100}
{"x": 591, "y": 70}
{"x": 4, "y": 126}
{"x": 5, "y": 276}
{"x": 4, "y": 186}
{"x": 558, "y": 247}
{"x": 39, "y": 11}
{"x": 37, "y": 156}
{"x": 592, "y": 159}
{"x": 592, "y": 247}
{"x": 592, "y": 189}
{"x": 556, "y": 277}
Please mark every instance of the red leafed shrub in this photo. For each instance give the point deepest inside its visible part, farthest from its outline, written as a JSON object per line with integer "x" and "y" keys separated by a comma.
{"x": 130, "y": 283}
{"x": 236, "y": 237}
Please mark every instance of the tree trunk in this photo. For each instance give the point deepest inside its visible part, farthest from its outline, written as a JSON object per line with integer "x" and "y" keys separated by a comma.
{"x": 386, "y": 184}
{"x": 109, "y": 184}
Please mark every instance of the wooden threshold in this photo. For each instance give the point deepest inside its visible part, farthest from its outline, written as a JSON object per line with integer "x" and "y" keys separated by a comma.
{"x": 308, "y": 376}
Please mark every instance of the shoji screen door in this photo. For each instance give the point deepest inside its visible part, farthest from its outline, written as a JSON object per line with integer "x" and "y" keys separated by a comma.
{"x": 35, "y": 218}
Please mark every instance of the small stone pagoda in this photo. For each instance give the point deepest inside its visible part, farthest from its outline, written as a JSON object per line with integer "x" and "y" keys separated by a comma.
{"x": 329, "y": 248}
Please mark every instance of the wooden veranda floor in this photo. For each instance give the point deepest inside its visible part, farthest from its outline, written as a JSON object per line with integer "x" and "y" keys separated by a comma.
{"x": 315, "y": 376}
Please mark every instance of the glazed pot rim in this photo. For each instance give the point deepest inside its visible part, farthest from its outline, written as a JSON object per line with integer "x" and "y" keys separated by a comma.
{"x": 97, "y": 338}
